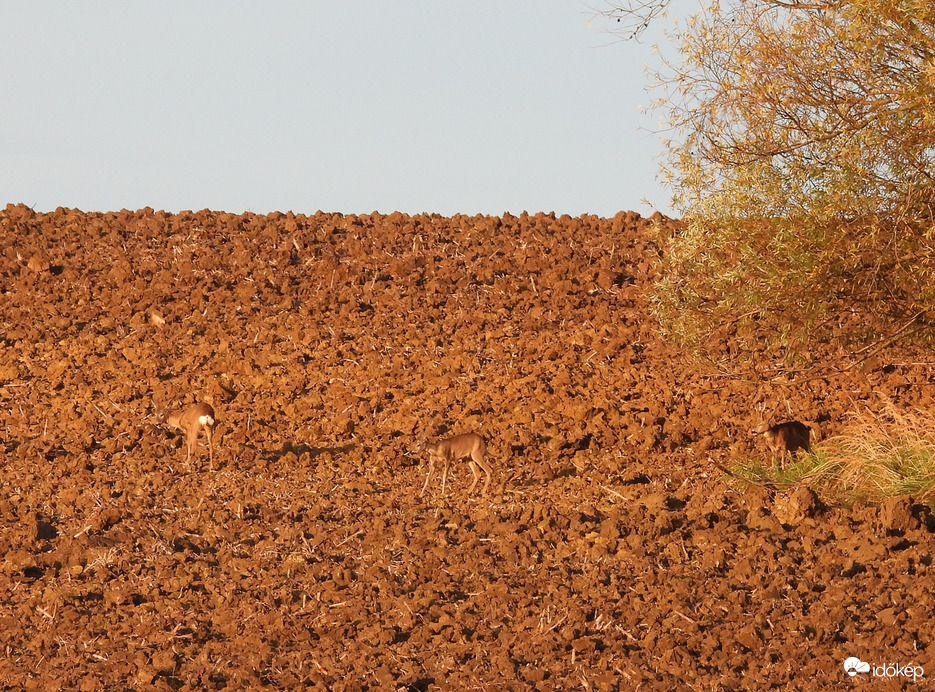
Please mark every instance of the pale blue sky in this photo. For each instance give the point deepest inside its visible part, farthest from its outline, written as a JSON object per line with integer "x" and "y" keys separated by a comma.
{"x": 449, "y": 107}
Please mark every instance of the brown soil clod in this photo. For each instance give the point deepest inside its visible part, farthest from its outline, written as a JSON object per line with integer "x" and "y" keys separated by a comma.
{"x": 611, "y": 556}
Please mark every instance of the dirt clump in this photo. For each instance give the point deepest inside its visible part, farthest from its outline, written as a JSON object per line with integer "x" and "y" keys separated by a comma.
{"x": 608, "y": 553}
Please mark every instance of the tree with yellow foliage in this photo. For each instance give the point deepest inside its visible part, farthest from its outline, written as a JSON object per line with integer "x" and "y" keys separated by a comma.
{"x": 801, "y": 152}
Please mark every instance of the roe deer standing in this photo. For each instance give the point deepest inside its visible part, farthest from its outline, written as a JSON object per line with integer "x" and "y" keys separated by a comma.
{"x": 465, "y": 446}
{"x": 784, "y": 438}
{"x": 191, "y": 421}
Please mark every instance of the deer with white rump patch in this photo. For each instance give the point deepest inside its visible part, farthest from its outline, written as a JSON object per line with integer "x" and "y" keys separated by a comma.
{"x": 192, "y": 421}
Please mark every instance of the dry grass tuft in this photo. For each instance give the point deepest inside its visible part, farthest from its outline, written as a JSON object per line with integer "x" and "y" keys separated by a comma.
{"x": 877, "y": 456}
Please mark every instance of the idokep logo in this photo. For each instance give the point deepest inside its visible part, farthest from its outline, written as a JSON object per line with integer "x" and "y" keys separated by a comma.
{"x": 854, "y": 666}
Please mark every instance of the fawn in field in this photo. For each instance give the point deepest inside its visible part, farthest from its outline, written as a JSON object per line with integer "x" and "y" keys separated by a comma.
{"x": 192, "y": 421}
{"x": 784, "y": 438}
{"x": 469, "y": 446}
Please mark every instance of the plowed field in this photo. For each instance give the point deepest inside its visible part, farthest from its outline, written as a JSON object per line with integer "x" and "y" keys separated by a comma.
{"x": 608, "y": 554}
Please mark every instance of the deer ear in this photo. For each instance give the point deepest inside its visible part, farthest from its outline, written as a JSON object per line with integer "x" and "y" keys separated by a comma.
{"x": 164, "y": 415}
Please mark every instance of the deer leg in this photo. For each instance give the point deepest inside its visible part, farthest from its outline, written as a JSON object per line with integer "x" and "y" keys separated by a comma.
{"x": 428, "y": 475}
{"x": 486, "y": 470}
{"x": 473, "y": 468}
{"x": 191, "y": 440}
{"x": 779, "y": 460}
{"x": 209, "y": 433}
{"x": 444, "y": 475}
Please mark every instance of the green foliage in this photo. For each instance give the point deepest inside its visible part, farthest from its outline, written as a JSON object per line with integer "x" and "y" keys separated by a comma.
{"x": 876, "y": 457}
{"x": 809, "y": 469}
{"x": 802, "y": 154}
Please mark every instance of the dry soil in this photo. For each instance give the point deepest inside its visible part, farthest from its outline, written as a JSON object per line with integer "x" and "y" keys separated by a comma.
{"x": 609, "y": 554}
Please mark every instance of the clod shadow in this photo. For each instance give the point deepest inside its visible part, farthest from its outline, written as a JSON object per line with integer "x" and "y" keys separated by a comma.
{"x": 543, "y": 478}
{"x": 289, "y": 447}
